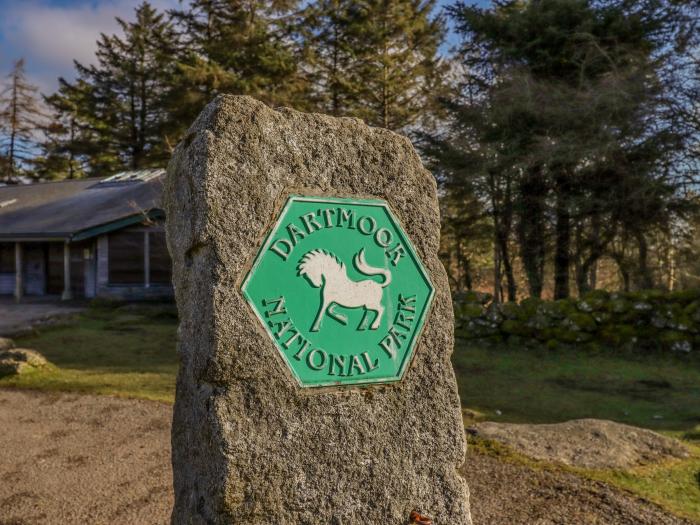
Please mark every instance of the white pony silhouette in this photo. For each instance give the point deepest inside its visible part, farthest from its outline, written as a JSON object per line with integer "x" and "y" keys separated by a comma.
{"x": 324, "y": 270}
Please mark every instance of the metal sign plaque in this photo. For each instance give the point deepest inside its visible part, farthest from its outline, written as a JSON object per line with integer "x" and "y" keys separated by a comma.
{"x": 340, "y": 290}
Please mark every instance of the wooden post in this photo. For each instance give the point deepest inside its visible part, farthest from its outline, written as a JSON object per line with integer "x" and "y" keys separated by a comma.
{"x": 19, "y": 272}
{"x": 146, "y": 260}
{"x": 67, "y": 293}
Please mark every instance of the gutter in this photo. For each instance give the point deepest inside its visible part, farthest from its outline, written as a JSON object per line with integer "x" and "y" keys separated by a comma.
{"x": 87, "y": 233}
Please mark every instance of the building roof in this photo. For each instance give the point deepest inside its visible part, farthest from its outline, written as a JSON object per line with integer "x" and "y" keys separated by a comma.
{"x": 79, "y": 209}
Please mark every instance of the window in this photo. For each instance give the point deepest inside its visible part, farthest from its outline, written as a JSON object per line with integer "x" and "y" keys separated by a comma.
{"x": 7, "y": 257}
{"x": 160, "y": 258}
{"x": 126, "y": 250}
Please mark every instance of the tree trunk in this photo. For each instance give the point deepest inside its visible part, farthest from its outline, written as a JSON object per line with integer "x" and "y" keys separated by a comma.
{"x": 467, "y": 269}
{"x": 586, "y": 274}
{"x": 13, "y": 130}
{"x": 644, "y": 278}
{"x": 562, "y": 250}
{"x": 504, "y": 234}
{"x": 623, "y": 269}
{"x": 508, "y": 269}
{"x": 465, "y": 272}
{"x": 593, "y": 276}
{"x": 497, "y": 291}
{"x": 531, "y": 229}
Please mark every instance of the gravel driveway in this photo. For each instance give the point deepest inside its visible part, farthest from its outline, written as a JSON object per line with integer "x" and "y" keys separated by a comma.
{"x": 73, "y": 459}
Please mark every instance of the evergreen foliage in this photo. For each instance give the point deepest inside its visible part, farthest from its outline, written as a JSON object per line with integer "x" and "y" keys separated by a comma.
{"x": 561, "y": 132}
{"x": 561, "y": 126}
{"x": 240, "y": 47}
{"x": 114, "y": 116}
{"x": 376, "y": 59}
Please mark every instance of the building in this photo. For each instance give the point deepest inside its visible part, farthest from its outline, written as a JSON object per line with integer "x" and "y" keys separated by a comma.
{"x": 100, "y": 237}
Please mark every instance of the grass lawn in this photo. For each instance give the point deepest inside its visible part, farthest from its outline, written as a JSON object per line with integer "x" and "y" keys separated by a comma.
{"x": 130, "y": 352}
{"x": 127, "y": 352}
{"x": 661, "y": 392}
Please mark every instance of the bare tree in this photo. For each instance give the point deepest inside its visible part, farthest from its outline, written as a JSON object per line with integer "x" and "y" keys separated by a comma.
{"x": 20, "y": 115}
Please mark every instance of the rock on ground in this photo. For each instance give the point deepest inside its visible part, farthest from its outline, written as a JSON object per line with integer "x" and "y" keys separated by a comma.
{"x": 249, "y": 444}
{"x": 6, "y": 344}
{"x": 587, "y": 443}
{"x": 17, "y": 360}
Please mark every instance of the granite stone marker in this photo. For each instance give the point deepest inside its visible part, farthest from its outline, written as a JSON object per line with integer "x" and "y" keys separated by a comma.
{"x": 316, "y": 325}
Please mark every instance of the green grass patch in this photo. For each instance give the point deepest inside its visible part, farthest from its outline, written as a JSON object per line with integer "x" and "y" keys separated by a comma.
{"x": 674, "y": 484}
{"x": 128, "y": 352}
{"x": 656, "y": 391}
{"x": 518, "y": 385}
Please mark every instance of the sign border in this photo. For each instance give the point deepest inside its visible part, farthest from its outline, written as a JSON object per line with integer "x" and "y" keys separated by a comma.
{"x": 422, "y": 318}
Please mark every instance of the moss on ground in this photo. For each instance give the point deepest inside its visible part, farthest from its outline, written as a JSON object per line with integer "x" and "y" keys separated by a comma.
{"x": 673, "y": 484}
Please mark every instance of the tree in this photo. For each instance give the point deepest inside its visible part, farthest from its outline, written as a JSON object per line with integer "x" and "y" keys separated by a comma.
{"x": 376, "y": 59}
{"x": 20, "y": 116}
{"x": 242, "y": 47}
{"x": 325, "y": 29}
{"x": 563, "y": 103}
{"x": 60, "y": 156}
{"x": 399, "y": 73}
{"x": 115, "y": 115}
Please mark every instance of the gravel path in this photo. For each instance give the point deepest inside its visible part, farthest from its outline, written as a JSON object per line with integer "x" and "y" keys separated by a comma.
{"x": 69, "y": 459}
{"x": 508, "y": 494}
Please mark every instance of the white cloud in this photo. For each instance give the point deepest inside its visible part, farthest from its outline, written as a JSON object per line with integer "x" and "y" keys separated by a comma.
{"x": 50, "y": 37}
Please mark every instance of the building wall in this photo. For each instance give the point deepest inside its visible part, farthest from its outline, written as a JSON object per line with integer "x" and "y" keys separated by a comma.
{"x": 7, "y": 268}
{"x": 104, "y": 288}
{"x": 34, "y": 269}
{"x": 7, "y": 283}
{"x": 141, "y": 266}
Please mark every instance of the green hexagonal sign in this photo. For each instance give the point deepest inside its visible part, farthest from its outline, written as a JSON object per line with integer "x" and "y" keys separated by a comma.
{"x": 340, "y": 291}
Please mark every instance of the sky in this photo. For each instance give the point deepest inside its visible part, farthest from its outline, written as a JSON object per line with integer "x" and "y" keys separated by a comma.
{"x": 50, "y": 34}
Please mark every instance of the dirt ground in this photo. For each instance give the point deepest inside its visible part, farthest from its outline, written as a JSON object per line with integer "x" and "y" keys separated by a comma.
{"x": 507, "y": 494}
{"x": 69, "y": 459}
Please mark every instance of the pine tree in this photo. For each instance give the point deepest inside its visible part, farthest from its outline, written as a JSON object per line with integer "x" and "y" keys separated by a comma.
{"x": 115, "y": 116}
{"x": 325, "y": 28}
{"x": 375, "y": 59}
{"x": 20, "y": 117}
{"x": 62, "y": 155}
{"x": 237, "y": 47}
{"x": 560, "y": 124}
{"x": 396, "y": 75}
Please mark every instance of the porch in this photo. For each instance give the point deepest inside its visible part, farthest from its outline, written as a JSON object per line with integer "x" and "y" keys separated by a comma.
{"x": 131, "y": 263}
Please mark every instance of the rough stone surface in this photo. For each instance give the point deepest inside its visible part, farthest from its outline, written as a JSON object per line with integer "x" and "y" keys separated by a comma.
{"x": 17, "y": 360}
{"x": 249, "y": 445}
{"x": 587, "y": 443}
